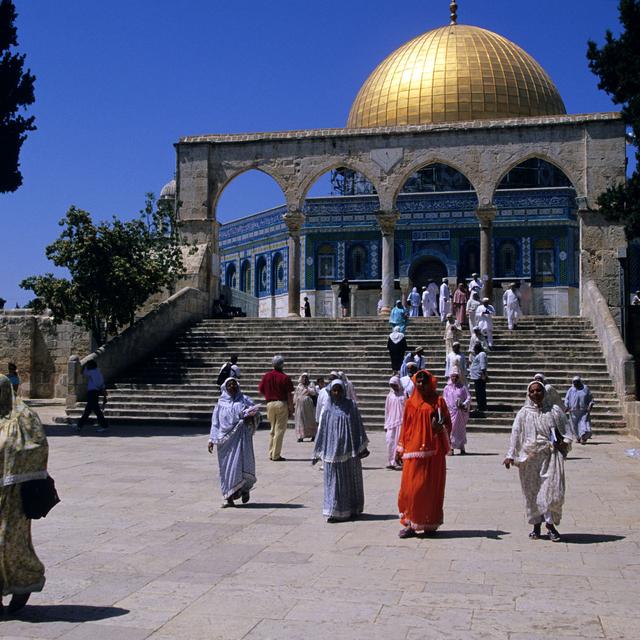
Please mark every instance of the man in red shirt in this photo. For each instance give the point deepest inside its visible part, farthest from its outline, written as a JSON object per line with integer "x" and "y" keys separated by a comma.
{"x": 277, "y": 388}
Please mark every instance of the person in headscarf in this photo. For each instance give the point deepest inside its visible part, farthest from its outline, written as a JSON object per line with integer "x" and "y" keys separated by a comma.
{"x": 414, "y": 301}
{"x": 484, "y": 320}
{"x": 349, "y": 389}
{"x": 452, "y": 333}
{"x": 458, "y": 361}
{"x": 552, "y": 394}
{"x": 398, "y": 317}
{"x": 540, "y": 439}
{"x": 234, "y": 421}
{"x": 304, "y": 413}
{"x": 24, "y": 452}
{"x": 340, "y": 444}
{"x": 323, "y": 396}
{"x": 407, "y": 380}
{"x": 458, "y": 400}
{"x": 460, "y": 304}
{"x": 396, "y": 345}
{"x": 393, "y": 409}
{"x": 422, "y": 448}
{"x": 472, "y": 304}
{"x": 444, "y": 302}
{"x": 579, "y": 403}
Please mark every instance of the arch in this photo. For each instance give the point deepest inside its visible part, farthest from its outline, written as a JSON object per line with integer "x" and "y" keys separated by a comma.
{"x": 278, "y": 274}
{"x": 262, "y": 277}
{"x": 247, "y": 200}
{"x": 429, "y": 254}
{"x": 357, "y": 262}
{"x": 308, "y": 182}
{"x": 245, "y": 276}
{"x": 426, "y": 267}
{"x": 554, "y": 162}
{"x": 470, "y": 257}
{"x": 507, "y": 259}
{"x": 424, "y": 162}
{"x": 230, "y": 278}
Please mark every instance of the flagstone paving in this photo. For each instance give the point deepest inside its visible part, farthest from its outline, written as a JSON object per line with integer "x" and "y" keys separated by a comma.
{"x": 140, "y": 548}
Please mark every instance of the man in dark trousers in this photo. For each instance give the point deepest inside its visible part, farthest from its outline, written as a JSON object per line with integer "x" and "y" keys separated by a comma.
{"x": 95, "y": 389}
{"x": 277, "y": 388}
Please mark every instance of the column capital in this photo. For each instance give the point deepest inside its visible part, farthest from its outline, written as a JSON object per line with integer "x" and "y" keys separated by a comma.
{"x": 486, "y": 215}
{"x": 387, "y": 221}
{"x": 294, "y": 221}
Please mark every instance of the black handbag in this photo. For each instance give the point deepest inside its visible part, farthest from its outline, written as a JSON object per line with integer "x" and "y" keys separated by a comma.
{"x": 38, "y": 497}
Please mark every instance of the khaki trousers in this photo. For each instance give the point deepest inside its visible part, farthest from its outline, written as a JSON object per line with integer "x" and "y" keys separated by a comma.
{"x": 277, "y": 415}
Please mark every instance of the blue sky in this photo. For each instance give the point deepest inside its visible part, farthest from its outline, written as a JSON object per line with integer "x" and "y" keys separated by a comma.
{"x": 117, "y": 83}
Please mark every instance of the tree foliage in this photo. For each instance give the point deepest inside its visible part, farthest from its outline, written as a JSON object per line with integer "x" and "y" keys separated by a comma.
{"x": 16, "y": 92}
{"x": 617, "y": 65}
{"x": 114, "y": 267}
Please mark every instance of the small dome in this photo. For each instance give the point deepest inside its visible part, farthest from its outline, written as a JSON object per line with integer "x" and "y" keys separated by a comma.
{"x": 451, "y": 74}
{"x": 168, "y": 191}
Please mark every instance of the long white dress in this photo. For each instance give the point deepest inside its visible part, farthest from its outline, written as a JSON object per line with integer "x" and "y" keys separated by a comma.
{"x": 445, "y": 301}
{"x": 540, "y": 464}
{"x": 513, "y": 309}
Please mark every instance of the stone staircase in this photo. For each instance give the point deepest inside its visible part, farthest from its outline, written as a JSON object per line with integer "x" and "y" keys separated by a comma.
{"x": 177, "y": 384}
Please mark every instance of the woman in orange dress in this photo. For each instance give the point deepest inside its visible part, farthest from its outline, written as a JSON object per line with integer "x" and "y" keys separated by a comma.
{"x": 422, "y": 447}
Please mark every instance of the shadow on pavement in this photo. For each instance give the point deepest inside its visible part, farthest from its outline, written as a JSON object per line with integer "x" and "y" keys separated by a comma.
{"x": 377, "y": 516}
{"x": 491, "y": 534}
{"x": 589, "y": 538}
{"x": 469, "y": 453}
{"x": 126, "y": 431}
{"x": 271, "y": 505}
{"x": 67, "y": 613}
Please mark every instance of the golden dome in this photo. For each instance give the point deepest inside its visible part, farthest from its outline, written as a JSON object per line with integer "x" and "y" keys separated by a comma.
{"x": 455, "y": 73}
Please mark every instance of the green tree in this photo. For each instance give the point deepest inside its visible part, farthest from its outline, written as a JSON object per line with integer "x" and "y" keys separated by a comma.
{"x": 617, "y": 65}
{"x": 16, "y": 92}
{"x": 114, "y": 267}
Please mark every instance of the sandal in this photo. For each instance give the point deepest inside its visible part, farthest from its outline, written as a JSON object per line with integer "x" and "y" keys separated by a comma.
{"x": 535, "y": 534}
{"x": 227, "y": 503}
{"x": 554, "y": 534}
{"x": 407, "y": 532}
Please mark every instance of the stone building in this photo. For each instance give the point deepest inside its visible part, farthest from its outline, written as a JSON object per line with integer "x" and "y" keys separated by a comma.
{"x": 464, "y": 159}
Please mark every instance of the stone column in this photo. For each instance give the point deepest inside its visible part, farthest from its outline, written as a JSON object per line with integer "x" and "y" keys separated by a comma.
{"x": 336, "y": 304}
{"x": 294, "y": 221}
{"x": 387, "y": 221}
{"x": 486, "y": 216}
{"x": 353, "y": 299}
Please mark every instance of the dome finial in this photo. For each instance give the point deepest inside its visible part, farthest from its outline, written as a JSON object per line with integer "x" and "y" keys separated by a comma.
{"x": 453, "y": 7}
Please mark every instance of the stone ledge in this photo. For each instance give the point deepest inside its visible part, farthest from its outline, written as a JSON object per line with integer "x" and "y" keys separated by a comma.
{"x": 505, "y": 123}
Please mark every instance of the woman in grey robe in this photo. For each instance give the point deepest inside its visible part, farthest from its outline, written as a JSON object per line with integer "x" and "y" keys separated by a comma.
{"x": 540, "y": 438}
{"x": 579, "y": 403}
{"x": 233, "y": 423}
{"x": 340, "y": 444}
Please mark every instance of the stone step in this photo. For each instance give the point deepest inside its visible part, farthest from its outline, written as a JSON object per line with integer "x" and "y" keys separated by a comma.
{"x": 177, "y": 385}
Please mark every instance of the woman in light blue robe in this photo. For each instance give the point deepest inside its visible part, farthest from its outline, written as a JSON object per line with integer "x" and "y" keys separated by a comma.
{"x": 233, "y": 424}
{"x": 579, "y": 403}
{"x": 340, "y": 444}
{"x": 398, "y": 316}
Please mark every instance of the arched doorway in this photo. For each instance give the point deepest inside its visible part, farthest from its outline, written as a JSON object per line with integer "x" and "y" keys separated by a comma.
{"x": 424, "y": 269}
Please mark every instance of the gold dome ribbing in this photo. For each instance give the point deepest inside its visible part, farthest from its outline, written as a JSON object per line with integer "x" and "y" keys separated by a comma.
{"x": 455, "y": 73}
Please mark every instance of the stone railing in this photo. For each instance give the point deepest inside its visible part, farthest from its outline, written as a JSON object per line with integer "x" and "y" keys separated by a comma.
{"x": 139, "y": 340}
{"x": 620, "y": 363}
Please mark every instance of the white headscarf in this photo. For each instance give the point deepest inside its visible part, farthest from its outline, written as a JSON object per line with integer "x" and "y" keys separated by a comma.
{"x": 396, "y": 335}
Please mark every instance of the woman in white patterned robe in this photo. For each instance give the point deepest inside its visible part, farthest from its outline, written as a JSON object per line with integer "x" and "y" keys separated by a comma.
{"x": 540, "y": 437}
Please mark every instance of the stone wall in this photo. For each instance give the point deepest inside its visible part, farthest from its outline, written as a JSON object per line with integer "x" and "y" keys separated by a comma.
{"x": 139, "y": 340}
{"x": 620, "y": 363}
{"x": 40, "y": 348}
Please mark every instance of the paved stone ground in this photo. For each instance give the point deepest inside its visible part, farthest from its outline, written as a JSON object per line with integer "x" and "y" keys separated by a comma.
{"x": 139, "y": 548}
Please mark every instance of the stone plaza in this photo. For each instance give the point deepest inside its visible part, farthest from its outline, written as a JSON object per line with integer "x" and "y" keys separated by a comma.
{"x": 140, "y": 548}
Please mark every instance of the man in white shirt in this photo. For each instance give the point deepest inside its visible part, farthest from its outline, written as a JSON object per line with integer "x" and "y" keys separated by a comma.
{"x": 406, "y": 382}
{"x": 445, "y": 299}
{"x": 512, "y": 306}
